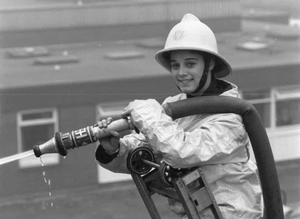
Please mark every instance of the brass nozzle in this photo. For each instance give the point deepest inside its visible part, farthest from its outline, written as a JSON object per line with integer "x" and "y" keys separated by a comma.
{"x": 46, "y": 148}
{"x": 37, "y": 151}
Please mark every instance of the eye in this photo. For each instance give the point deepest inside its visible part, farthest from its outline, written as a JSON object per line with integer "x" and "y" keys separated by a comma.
{"x": 190, "y": 64}
{"x": 174, "y": 66}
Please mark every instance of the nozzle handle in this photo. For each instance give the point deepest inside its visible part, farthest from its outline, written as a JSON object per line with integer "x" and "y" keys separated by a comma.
{"x": 119, "y": 125}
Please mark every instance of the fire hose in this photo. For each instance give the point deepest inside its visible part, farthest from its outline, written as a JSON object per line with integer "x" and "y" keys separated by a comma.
{"x": 61, "y": 143}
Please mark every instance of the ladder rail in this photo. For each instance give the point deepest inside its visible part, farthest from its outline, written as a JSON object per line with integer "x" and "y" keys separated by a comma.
{"x": 193, "y": 201}
{"x": 187, "y": 186}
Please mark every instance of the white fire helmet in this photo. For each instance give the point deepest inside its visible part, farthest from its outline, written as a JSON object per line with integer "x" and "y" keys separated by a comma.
{"x": 192, "y": 34}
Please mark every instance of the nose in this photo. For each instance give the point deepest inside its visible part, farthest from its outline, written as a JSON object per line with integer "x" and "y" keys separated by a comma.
{"x": 182, "y": 72}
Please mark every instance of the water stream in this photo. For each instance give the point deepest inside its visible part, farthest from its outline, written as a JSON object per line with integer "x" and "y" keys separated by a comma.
{"x": 18, "y": 156}
{"x": 47, "y": 181}
{"x": 25, "y": 154}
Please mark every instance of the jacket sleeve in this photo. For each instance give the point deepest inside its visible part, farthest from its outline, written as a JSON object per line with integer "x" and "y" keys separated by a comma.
{"x": 118, "y": 162}
{"x": 218, "y": 138}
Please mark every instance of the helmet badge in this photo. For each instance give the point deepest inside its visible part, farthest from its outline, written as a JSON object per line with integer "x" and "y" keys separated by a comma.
{"x": 178, "y": 35}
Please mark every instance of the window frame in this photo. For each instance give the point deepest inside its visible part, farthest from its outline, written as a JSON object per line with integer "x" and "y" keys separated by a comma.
{"x": 47, "y": 159}
{"x": 284, "y": 97}
{"x": 267, "y": 100}
{"x": 272, "y": 100}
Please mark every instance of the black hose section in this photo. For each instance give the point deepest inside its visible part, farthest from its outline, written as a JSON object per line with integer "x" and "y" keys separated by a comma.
{"x": 257, "y": 134}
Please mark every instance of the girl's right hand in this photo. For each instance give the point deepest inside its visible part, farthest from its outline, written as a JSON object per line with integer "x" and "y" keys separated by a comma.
{"x": 111, "y": 143}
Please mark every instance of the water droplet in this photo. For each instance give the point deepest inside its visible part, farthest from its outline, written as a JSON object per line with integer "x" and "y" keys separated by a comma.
{"x": 47, "y": 181}
{"x": 41, "y": 161}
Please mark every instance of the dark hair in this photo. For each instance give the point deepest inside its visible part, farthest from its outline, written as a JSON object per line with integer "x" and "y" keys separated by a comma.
{"x": 206, "y": 56}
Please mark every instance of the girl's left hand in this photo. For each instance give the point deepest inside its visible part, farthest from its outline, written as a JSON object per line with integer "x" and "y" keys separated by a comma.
{"x": 136, "y": 104}
{"x": 141, "y": 111}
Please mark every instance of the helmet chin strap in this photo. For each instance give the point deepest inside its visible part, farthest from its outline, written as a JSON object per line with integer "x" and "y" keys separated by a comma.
{"x": 203, "y": 84}
{"x": 202, "y": 81}
{"x": 205, "y": 81}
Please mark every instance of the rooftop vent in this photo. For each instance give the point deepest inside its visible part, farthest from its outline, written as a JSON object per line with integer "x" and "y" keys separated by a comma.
{"x": 255, "y": 44}
{"x": 123, "y": 55}
{"x": 54, "y": 60}
{"x": 27, "y": 52}
{"x": 252, "y": 46}
{"x": 155, "y": 43}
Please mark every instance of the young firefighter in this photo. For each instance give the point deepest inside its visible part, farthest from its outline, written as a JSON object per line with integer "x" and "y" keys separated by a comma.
{"x": 217, "y": 143}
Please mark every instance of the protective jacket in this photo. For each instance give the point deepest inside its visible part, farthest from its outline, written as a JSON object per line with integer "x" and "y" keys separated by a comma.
{"x": 216, "y": 143}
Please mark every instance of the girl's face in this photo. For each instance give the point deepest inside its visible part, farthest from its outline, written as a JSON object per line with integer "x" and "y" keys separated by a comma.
{"x": 187, "y": 69}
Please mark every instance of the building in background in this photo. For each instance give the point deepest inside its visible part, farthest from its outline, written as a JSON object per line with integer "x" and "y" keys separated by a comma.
{"x": 65, "y": 66}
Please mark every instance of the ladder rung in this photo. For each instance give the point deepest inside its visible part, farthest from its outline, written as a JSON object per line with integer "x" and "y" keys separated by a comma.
{"x": 191, "y": 177}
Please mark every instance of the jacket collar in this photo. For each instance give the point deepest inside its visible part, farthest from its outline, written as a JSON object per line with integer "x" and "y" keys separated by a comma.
{"x": 219, "y": 87}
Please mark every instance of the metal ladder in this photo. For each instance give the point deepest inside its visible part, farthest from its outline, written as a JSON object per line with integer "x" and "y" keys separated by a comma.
{"x": 188, "y": 187}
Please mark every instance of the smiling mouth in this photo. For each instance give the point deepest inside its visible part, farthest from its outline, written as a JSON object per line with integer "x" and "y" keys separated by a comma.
{"x": 185, "y": 81}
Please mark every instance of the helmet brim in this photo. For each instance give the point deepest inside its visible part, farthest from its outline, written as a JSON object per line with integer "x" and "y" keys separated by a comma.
{"x": 222, "y": 67}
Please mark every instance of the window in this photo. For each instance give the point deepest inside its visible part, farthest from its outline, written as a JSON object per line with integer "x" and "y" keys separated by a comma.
{"x": 261, "y": 100}
{"x": 277, "y": 107}
{"x": 113, "y": 110}
{"x": 35, "y": 127}
{"x": 287, "y": 106}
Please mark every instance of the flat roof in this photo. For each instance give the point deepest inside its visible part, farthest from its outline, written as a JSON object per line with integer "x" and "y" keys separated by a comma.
{"x": 258, "y": 45}
{"x": 15, "y": 4}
